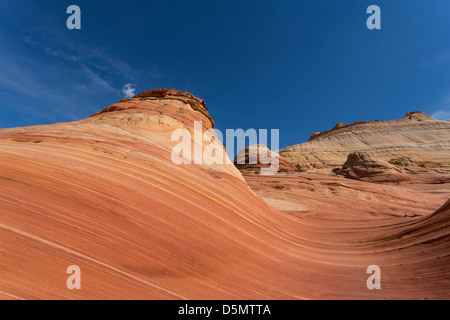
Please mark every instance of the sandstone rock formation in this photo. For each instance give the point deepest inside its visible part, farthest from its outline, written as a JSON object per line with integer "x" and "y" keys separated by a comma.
{"x": 361, "y": 165}
{"x": 155, "y": 114}
{"x": 341, "y": 201}
{"x": 423, "y": 139}
{"x": 103, "y": 194}
{"x": 253, "y": 158}
{"x": 364, "y": 166}
{"x": 196, "y": 104}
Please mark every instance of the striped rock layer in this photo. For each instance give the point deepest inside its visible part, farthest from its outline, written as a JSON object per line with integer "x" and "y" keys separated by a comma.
{"x": 103, "y": 194}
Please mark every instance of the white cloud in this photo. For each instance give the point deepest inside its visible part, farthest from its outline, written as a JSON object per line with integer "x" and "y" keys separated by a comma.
{"x": 32, "y": 84}
{"x": 443, "y": 111}
{"x": 128, "y": 91}
{"x": 442, "y": 115}
{"x": 98, "y": 66}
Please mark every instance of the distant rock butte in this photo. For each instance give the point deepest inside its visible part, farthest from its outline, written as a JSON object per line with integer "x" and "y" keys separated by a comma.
{"x": 249, "y": 160}
{"x": 424, "y": 140}
{"x": 161, "y": 95}
{"x": 361, "y": 165}
{"x": 103, "y": 194}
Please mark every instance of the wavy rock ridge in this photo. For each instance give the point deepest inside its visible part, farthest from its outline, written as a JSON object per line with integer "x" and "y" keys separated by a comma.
{"x": 102, "y": 193}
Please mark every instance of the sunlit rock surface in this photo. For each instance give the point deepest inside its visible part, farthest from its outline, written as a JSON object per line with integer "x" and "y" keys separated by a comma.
{"x": 424, "y": 140}
{"x": 103, "y": 193}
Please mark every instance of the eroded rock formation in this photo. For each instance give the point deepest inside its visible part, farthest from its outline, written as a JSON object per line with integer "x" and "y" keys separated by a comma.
{"x": 103, "y": 194}
{"x": 253, "y": 158}
{"x": 361, "y": 165}
{"x": 424, "y": 140}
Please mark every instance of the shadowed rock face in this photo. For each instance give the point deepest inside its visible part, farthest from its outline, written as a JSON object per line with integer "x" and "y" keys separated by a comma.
{"x": 404, "y": 162}
{"x": 418, "y": 136}
{"x": 361, "y": 165}
{"x": 102, "y": 193}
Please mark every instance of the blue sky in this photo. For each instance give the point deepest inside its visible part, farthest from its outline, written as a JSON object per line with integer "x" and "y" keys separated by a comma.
{"x": 298, "y": 66}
